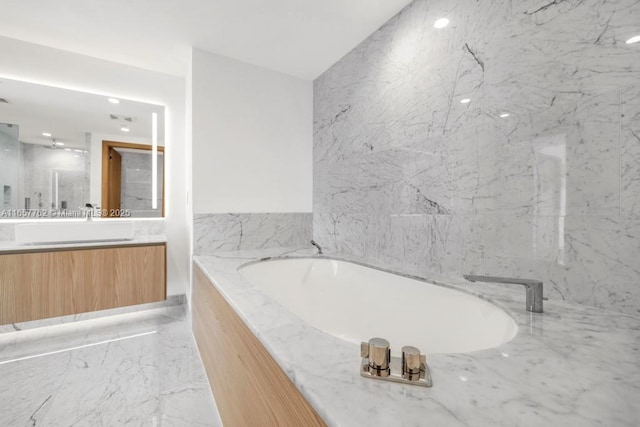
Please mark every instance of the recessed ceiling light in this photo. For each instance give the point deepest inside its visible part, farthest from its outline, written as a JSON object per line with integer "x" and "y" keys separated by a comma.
{"x": 59, "y": 144}
{"x": 124, "y": 129}
{"x": 503, "y": 115}
{"x": 634, "y": 39}
{"x": 114, "y": 101}
{"x": 46, "y": 134}
{"x": 441, "y": 23}
{"x": 465, "y": 101}
{"x": 67, "y": 149}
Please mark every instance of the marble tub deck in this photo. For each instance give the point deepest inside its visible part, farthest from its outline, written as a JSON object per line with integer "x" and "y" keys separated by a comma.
{"x": 133, "y": 369}
{"x": 570, "y": 366}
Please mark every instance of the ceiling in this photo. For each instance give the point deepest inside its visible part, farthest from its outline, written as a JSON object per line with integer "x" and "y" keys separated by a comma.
{"x": 298, "y": 37}
{"x": 68, "y": 115}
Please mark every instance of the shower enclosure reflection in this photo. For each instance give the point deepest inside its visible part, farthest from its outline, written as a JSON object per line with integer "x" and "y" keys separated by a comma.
{"x": 9, "y": 159}
{"x": 38, "y": 180}
{"x": 51, "y": 154}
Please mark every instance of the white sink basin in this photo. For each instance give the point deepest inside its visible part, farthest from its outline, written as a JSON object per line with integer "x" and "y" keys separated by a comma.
{"x": 69, "y": 232}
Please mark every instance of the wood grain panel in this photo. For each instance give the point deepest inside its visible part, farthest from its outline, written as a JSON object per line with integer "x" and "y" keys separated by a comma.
{"x": 39, "y": 285}
{"x": 250, "y": 388}
{"x": 8, "y": 273}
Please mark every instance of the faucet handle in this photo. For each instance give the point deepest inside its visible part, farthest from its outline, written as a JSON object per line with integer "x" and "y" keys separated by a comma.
{"x": 413, "y": 363}
{"x": 364, "y": 349}
{"x": 379, "y": 354}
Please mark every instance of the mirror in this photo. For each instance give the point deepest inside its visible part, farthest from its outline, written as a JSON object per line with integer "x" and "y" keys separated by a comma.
{"x": 65, "y": 153}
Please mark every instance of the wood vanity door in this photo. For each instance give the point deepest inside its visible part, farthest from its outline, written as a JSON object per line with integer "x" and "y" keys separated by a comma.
{"x": 39, "y": 285}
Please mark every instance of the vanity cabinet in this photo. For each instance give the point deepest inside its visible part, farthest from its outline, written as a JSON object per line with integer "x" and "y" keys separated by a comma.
{"x": 42, "y": 284}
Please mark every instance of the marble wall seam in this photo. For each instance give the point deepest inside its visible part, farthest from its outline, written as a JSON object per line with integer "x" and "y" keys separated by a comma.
{"x": 538, "y": 175}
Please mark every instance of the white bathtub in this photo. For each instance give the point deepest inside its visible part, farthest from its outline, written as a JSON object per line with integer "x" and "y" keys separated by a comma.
{"x": 355, "y": 303}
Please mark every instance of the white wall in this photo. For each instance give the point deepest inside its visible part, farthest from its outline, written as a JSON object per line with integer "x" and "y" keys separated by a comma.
{"x": 252, "y": 138}
{"x": 39, "y": 64}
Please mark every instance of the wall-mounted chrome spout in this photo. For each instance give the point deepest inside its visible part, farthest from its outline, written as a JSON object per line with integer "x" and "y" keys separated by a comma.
{"x": 533, "y": 287}
{"x": 313, "y": 242}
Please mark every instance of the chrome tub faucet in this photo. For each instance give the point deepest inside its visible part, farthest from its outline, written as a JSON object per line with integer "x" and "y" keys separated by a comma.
{"x": 533, "y": 287}
{"x": 318, "y": 247}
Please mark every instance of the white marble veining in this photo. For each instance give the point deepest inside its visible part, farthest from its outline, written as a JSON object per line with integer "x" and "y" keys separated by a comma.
{"x": 585, "y": 259}
{"x": 137, "y": 182}
{"x": 131, "y": 369}
{"x": 238, "y": 231}
{"x": 630, "y": 153}
{"x": 406, "y": 175}
{"x": 572, "y": 365}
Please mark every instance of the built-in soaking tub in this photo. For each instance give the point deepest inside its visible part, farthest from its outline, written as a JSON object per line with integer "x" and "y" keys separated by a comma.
{"x": 355, "y": 302}
{"x": 280, "y": 343}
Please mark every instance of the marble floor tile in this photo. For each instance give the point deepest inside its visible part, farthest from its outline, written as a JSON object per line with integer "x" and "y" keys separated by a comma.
{"x": 134, "y": 369}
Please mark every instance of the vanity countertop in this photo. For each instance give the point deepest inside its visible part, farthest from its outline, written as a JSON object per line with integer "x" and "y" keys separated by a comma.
{"x": 7, "y": 247}
{"x": 572, "y": 365}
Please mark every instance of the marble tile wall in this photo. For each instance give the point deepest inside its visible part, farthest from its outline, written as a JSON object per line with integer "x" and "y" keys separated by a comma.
{"x": 137, "y": 184}
{"x": 6, "y": 232}
{"x": 38, "y": 168}
{"x": 411, "y": 178}
{"x": 149, "y": 227}
{"x": 231, "y": 231}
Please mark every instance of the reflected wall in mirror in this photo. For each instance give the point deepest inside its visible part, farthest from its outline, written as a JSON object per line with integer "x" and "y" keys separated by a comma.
{"x": 52, "y": 154}
{"x": 9, "y": 161}
{"x": 128, "y": 180}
